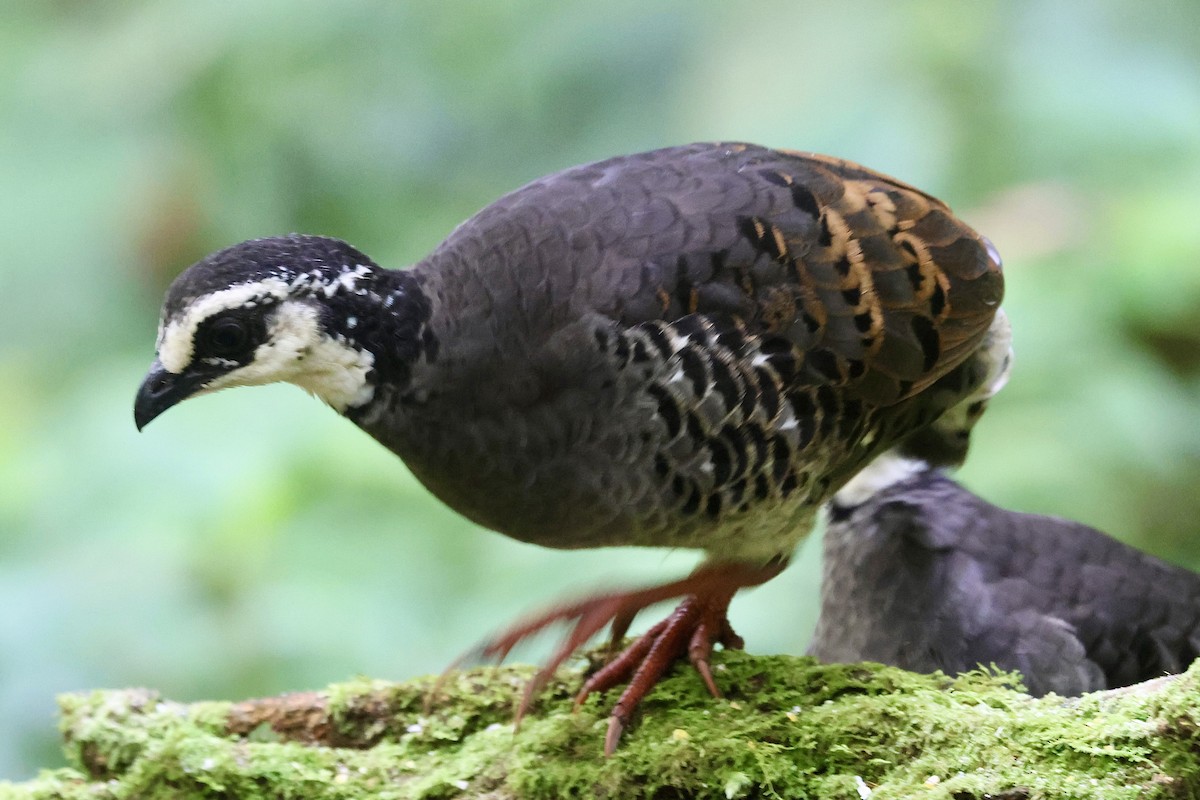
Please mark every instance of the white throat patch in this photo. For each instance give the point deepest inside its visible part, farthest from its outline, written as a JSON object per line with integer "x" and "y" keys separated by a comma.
{"x": 297, "y": 350}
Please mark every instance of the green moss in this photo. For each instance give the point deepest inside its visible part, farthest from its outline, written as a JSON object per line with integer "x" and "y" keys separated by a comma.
{"x": 787, "y": 728}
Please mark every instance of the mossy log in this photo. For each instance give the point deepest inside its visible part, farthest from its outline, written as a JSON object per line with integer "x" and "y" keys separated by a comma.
{"x": 787, "y": 728}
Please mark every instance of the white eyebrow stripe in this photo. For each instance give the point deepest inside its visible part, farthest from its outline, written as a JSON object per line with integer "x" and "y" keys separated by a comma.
{"x": 176, "y": 345}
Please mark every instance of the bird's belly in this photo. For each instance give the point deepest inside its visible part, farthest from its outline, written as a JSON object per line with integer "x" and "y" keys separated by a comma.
{"x": 567, "y": 480}
{"x": 662, "y": 434}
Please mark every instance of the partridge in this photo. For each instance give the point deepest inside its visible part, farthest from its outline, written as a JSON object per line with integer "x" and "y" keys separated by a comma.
{"x": 692, "y": 347}
{"x": 923, "y": 574}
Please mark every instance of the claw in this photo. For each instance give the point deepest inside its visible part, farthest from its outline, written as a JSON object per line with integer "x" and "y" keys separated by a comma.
{"x": 612, "y": 737}
{"x": 693, "y": 627}
{"x": 699, "y": 649}
{"x": 621, "y": 668}
{"x": 620, "y": 627}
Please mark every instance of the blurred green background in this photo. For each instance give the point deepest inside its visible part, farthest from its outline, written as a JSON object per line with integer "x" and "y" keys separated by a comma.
{"x": 252, "y": 542}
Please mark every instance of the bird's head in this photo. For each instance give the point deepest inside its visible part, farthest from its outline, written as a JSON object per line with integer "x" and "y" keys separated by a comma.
{"x": 304, "y": 309}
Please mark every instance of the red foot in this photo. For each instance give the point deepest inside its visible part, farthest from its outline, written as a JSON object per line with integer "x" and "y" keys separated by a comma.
{"x": 696, "y": 624}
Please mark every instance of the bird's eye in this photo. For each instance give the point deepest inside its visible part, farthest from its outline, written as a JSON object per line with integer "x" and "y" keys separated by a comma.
{"x": 226, "y": 337}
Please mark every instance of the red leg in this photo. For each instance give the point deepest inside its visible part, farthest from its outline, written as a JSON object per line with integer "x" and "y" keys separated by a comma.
{"x": 696, "y": 624}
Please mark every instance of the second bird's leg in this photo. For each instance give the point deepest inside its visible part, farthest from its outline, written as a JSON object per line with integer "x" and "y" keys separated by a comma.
{"x": 697, "y": 624}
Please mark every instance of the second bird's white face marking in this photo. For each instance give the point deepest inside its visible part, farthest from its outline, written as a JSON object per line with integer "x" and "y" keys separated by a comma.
{"x": 297, "y": 350}
{"x": 886, "y": 470}
{"x": 891, "y": 467}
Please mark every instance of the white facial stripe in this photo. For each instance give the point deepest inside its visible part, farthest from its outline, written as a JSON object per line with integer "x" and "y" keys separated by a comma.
{"x": 175, "y": 338}
{"x": 299, "y": 352}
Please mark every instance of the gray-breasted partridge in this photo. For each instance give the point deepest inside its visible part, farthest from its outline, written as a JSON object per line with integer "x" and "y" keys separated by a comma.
{"x": 923, "y": 574}
{"x": 689, "y": 347}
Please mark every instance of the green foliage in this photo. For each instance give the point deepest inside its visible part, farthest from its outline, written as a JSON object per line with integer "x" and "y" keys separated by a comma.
{"x": 252, "y": 543}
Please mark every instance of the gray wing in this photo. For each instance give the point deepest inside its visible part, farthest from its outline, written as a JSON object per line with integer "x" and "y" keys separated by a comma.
{"x": 728, "y": 332}
{"x": 867, "y": 283}
{"x": 1071, "y": 608}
